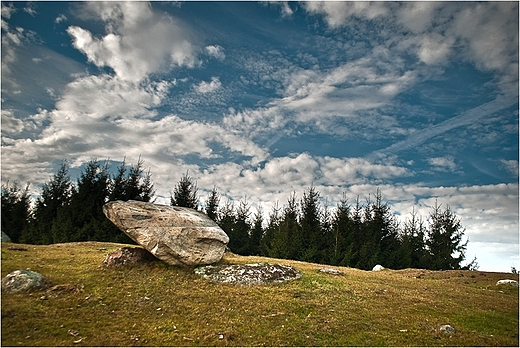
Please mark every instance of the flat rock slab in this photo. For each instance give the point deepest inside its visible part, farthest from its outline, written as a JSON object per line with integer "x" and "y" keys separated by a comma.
{"x": 248, "y": 274}
{"x": 509, "y": 282}
{"x": 331, "y": 271}
{"x": 175, "y": 235}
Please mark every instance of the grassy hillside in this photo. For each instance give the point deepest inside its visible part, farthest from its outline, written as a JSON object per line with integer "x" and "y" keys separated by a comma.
{"x": 161, "y": 305}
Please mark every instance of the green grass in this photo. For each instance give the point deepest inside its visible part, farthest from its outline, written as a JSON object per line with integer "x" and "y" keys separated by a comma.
{"x": 161, "y": 305}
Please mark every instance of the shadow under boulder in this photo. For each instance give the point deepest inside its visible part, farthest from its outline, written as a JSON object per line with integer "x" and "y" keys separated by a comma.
{"x": 128, "y": 256}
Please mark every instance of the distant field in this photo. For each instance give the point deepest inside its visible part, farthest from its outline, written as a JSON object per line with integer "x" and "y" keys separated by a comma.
{"x": 161, "y": 305}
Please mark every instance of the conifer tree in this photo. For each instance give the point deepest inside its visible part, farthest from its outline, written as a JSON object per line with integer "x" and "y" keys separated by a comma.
{"x": 55, "y": 195}
{"x": 287, "y": 241}
{"x": 185, "y": 193}
{"x": 15, "y": 211}
{"x": 227, "y": 219}
{"x": 340, "y": 249}
{"x": 386, "y": 233}
{"x": 239, "y": 234}
{"x": 131, "y": 184}
{"x": 273, "y": 227}
{"x": 257, "y": 232}
{"x": 445, "y": 240}
{"x": 414, "y": 253}
{"x": 311, "y": 234}
{"x": 212, "y": 203}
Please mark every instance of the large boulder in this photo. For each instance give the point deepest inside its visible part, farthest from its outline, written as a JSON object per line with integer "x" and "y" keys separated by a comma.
{"x": 175, "y": 235}
{"x": 23, "y": 280}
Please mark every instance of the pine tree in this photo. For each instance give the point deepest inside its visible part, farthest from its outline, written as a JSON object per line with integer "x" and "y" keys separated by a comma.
{"x": 386, "y": 232}
{"x": 414, "y": 251}
{"x": 287, "y": 241}
{"x": 55, "y": 195}
{"x": 131, "y": 184}
{"x": 311, "y": 234}
{"x": 257, "y": 233}
{"x": 341, "y": 234}
{"x": 445, "y": 240}
{"x": 273, "y": 227}
{"x": 227, "y": 219}
{"x": 185, "y": 193}
{"x": 15, "y": 211}
{"x": 239, "y": 242}
{"x": 212, "y": 204}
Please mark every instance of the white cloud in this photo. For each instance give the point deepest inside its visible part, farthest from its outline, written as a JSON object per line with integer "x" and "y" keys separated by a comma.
{"x": 11, "y": 124}
{"x": 6, "y": 11}
{"x": 511, "y": 166}
{"x": 30, "y": 8}
{"x": 209, "y": 87}
{"x": 60, "y": 18}
{"x": 418, "y": 16}
{"x": 491, "y": 32}
{"x": 435, "y": 49}
{"x": 446, "y": 163}
{"x": 138, "y": 41}
{"x": 216, "y": 51}
{"x": 336, "y": 13}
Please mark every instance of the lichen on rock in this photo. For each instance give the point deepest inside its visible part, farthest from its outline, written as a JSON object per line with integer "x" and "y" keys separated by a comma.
{"x": 248, "y": 274}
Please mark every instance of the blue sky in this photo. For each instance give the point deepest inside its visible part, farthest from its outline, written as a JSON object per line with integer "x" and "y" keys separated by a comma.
{"x": 260, "y": 99}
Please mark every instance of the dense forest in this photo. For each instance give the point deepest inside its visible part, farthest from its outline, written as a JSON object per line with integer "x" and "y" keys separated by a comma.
{"x": 358, "y": 235}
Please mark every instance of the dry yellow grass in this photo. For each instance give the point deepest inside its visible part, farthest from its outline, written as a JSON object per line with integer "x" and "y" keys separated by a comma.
{"x": 161, "y": 305}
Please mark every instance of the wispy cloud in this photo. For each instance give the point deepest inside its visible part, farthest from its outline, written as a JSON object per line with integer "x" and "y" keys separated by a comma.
{"x": 465, "y": 118}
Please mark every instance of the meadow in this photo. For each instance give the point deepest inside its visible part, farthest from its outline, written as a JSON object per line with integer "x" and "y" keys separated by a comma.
{"x": 156, "y": 304}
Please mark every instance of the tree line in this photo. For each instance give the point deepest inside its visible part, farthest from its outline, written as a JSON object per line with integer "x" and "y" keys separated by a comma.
{"x": 360, "y": 235}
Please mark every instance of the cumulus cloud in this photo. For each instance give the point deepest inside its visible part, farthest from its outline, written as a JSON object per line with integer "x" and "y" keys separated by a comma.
{"x": 209, "y": 87}
{"x": 138, "y": 41}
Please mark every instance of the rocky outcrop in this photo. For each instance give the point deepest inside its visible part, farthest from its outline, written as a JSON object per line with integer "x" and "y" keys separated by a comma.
{"x": 175, "y": 235}
{"x": 23, "y": 280}
{"x": 249, "y": 274}
{"x": 128, "y": 256}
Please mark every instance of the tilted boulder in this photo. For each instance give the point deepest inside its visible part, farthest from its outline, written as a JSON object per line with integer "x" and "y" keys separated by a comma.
{"x": 175, "y": 235}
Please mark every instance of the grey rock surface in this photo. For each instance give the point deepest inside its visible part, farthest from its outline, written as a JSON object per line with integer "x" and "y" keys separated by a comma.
{"x": 331, "y": 271}
{"x": 509, "y": 282}
{"x": 175, "y": 235}
{"x": 23, "y": 280}
{"x": 5, "y": 238}
{"x": 248, "y": 274}
{"x": 447, "y": 329}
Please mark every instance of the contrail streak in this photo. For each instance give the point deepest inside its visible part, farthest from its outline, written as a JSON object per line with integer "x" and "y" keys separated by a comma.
{"x": 467, "y": 117}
